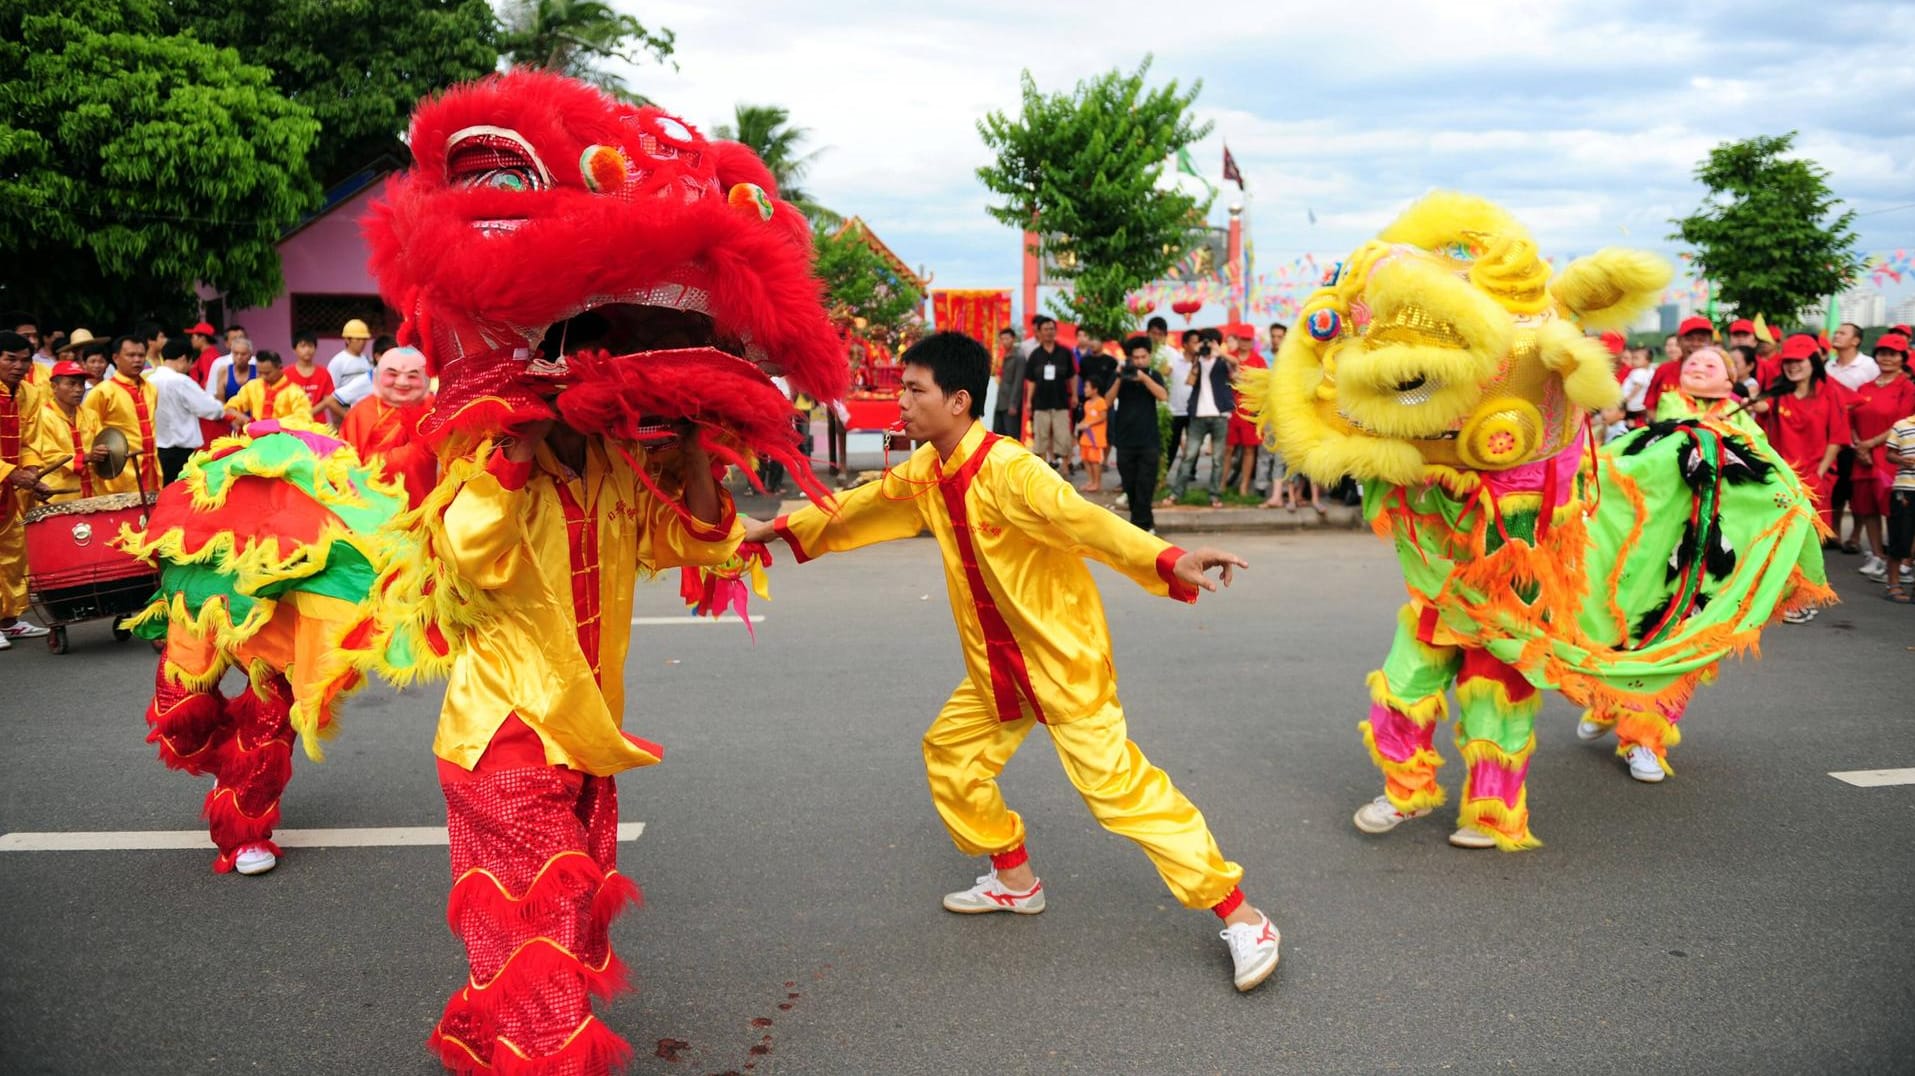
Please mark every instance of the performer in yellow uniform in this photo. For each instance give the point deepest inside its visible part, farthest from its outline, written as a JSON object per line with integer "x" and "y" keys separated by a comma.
{"x": 269, "y": 394}
{"x": 62, "y": 447}
{"x": 126, "y": 402}
{"x": 1013, "y": 535}
{"x": 19, "y": 484}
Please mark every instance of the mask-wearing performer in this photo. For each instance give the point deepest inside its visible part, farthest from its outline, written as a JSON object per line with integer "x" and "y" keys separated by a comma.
{"x": 1445, "y": 366}
{"x": 1014, "y": 535}
{"x": 599, "y": 288}
{"x": 385, "y": 425}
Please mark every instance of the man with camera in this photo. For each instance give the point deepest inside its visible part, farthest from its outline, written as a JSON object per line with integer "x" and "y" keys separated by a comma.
{"x": 1133, "y": 395}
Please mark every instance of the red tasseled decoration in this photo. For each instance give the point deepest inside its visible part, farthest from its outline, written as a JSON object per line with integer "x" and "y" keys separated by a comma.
{"x": 186, "y": 725}
{"x": 593, "y": 1050}
{"x": 541, "y": 959}
{"x": 232, "y": 827}
{"x": 732, "y": 401}
{"x": 563, "y": 877}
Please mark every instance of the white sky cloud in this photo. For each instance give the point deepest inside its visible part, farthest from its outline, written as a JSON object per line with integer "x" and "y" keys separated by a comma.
{"x": 1585, "y": 118}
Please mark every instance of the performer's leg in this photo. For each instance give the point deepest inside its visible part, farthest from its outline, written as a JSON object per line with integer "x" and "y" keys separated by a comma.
{"x": 187, "y": 717}
{"x": 1406, "y": 702}
{"x": 1132, "y": 798}
{"x": 13, "y": 562}
{"x": 1653, "y": 727}
{"x": 964, "y": 751}
{"x": 1496, "y": 716}
{"x": 533, "y": 895}
{"x": 243, "y": 806}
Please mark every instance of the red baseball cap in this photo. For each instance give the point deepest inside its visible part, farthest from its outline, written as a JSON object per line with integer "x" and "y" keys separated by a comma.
{"x": 202, "y": 329}
{"x": 1695, "y": 325}
{"x": 1893, "y": 342}
{"x": 1742, "y": 325}
{"x": 69, "y": 368}
{"x": 1614, "y": 341}
{"x": 1800, "y": 346}
{"x": 1242, "y": 330}
{"x": 1903, "y": 329}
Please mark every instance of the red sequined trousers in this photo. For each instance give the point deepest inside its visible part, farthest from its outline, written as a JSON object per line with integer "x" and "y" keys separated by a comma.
{"x": 535, "y": 889}
{"x": 244, "y": 742}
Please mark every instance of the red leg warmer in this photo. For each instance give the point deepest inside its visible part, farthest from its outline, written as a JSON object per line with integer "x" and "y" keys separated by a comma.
{"x": 256, "y": 763}
{"x": 190, "y": 727}
{"x": 535, "y": 889}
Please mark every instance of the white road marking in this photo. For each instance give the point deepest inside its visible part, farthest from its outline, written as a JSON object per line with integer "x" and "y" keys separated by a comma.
{"x": 688, "y": 619}
{"x": 1876, "y": 778}
{"x": 148, "y": 840}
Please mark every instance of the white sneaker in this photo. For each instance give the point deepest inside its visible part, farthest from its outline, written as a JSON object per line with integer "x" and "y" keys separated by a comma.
{"x": 1644, "y": 766}
{"x": 1381, "y": 816}
{"x": 1873, "y": 567}
{"x": 4, "y": 644}
{"x": 1253, "y": 951}
{"x": 255, "y": 859}
{"x": 1589, "y": 731}
{"x": 21, "y": 629}
{"x": 1799, "y": 616}
{"x": 989, "y": 896}
{"x": 1471, "y": 837}
{"x": 1908, "y": 573}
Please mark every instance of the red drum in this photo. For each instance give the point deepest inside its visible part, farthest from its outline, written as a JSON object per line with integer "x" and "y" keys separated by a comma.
{"x": 75, "y": 574}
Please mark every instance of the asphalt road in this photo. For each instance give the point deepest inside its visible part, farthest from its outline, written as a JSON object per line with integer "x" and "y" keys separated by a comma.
{"x": 1751, "y": 915}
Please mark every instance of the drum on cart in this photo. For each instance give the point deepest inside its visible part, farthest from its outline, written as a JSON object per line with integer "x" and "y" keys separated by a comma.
{"x": 74, "y": 572}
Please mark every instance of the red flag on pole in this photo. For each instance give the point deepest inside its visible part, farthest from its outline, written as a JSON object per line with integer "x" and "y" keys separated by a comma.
{"x": 1230, "y": 173}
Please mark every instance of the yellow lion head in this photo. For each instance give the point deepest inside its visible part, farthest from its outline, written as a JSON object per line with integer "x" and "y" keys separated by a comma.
{"x": 1445, "y": 344}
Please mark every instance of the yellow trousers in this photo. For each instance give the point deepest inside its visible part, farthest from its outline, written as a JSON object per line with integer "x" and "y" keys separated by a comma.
{"x": 13, "y": 563}
{"x": 967, "y": 747}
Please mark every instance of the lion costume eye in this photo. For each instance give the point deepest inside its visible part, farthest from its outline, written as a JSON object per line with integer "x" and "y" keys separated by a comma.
{"x": 494, "y": 158}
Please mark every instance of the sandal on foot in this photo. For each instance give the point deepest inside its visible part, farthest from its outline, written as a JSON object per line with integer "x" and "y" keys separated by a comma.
{"x": 1899, "y": 594}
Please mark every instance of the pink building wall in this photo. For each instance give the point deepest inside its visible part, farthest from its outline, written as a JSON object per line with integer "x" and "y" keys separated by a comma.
{"x": 327, "y": 256}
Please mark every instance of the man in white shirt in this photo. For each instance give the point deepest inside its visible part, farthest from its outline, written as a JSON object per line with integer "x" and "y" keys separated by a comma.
{"x": 1208, "y": 408}
{"x": 1177, "y": 380}
{"x": 351, "y": 371}
{"x": 181, "y": 403}
{"x": 1851, "y": 369}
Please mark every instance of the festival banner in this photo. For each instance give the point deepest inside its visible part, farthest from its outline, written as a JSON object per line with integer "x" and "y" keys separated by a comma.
{"x": 977, "y": 313}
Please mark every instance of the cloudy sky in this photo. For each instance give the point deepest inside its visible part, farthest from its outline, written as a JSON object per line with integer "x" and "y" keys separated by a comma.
{"x": 1585, "y": 118}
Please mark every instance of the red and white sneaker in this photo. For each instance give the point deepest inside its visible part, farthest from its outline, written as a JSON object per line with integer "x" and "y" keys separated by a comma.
{"x": 1381, "y": 816}
{"x": 1253, "y": 950}
{"x": 988, "y": 895}
{"x": 255, "y": 859}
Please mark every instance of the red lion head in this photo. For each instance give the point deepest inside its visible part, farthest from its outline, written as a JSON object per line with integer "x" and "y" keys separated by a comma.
{"x": 554, "y": 249}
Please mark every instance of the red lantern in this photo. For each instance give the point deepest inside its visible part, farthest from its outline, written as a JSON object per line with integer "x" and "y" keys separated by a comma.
{"x": 1187, "y": 307}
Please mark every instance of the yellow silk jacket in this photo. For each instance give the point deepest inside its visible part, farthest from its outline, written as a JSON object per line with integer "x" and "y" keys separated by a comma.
{"x": 111, "y": 405}
{"x": 561, "y": 591}
{"x": 1013, "y": 535}
{"x": 19, "y": 421}
{"x": 288, "y": 400}
{"x": 53, "y": 442}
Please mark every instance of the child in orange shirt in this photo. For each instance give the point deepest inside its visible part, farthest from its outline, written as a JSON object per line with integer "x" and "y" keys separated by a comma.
{"x": 1091, "y": 439}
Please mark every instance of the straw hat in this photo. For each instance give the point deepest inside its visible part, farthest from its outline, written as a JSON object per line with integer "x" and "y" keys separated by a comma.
{"x": 73, "y": 342}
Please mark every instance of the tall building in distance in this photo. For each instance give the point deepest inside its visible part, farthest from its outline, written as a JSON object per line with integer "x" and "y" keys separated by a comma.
{"x": 1904, "y": 312}
{"x": 1861, "y": 304}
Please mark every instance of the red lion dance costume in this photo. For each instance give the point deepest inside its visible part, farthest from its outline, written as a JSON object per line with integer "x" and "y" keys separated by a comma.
{"x": 561, "y": 257}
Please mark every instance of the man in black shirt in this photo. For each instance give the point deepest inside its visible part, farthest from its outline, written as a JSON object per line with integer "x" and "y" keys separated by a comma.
{"x": 1051, "y": 380}
{"x": 1134, "y": 396}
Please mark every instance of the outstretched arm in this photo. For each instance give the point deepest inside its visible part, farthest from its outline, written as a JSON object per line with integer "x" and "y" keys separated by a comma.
{"x": 875, "y": 512}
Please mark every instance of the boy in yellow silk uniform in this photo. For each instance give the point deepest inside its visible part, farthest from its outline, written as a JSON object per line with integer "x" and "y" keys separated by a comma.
{"x": 270, "y": 394}
{"x": 126, "y": 402}
{"x": 1013, "y": 535}
{"x": 62, "y": 446}
{"x": 19, "y": 484}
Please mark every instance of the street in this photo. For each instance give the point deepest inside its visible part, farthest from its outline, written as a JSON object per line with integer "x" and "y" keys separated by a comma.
{"x": 1750, "y": 915}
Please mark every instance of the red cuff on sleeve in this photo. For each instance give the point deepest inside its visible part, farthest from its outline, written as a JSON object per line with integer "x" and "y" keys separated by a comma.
{"x": 716, "y": 532}
{"x": 512, "y": 476}
{"x": 1167, "y": 571}
{"x": 784, "y": 531}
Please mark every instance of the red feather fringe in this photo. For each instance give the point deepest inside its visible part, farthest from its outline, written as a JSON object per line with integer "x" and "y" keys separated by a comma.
{"x": 594, "y": 1049}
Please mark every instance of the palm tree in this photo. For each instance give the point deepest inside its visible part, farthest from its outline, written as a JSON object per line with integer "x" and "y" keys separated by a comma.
{"x": 768, "y": 131}
{"x": 573, "y": 37}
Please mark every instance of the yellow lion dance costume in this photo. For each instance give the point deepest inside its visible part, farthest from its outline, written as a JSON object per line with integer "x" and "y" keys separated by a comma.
{"x": 1445, "y": 367}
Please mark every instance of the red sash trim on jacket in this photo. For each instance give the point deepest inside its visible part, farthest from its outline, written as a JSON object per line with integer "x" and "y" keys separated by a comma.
{"x": 1010, "y": 677}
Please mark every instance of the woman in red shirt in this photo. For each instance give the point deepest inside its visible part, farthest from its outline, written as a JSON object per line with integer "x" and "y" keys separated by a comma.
{"x": 1809, "y": 424}
{"x": 1876, "y": 406}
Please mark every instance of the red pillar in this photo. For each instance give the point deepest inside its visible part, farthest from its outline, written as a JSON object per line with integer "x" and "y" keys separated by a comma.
{"x": 1030, "y": 279}
{"x": 1234, "y": 274}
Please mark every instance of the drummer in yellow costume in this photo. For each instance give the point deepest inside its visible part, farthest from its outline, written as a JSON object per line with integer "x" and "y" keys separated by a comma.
{"x": 19, "y": 484}
{"x": 62, "y": 446}
{"x": 1036, "y": 648}
{"x": 126, "y": 402}
{"x": 269, "y": 395}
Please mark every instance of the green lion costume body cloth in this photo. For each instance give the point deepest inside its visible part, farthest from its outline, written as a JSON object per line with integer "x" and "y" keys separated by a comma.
{"x": 1444, "y": 365}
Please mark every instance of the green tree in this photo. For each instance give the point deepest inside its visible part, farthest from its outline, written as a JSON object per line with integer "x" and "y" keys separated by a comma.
{"x": 860, "y": 284}
{"x": 1768, "y": 233}
{"x": 1081, "y": 168}
{"x": 134, "y": 163}
{"x": 767, "y": 129}
{"x": 577, "y": 37}
{"x": 359, "y": 65}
